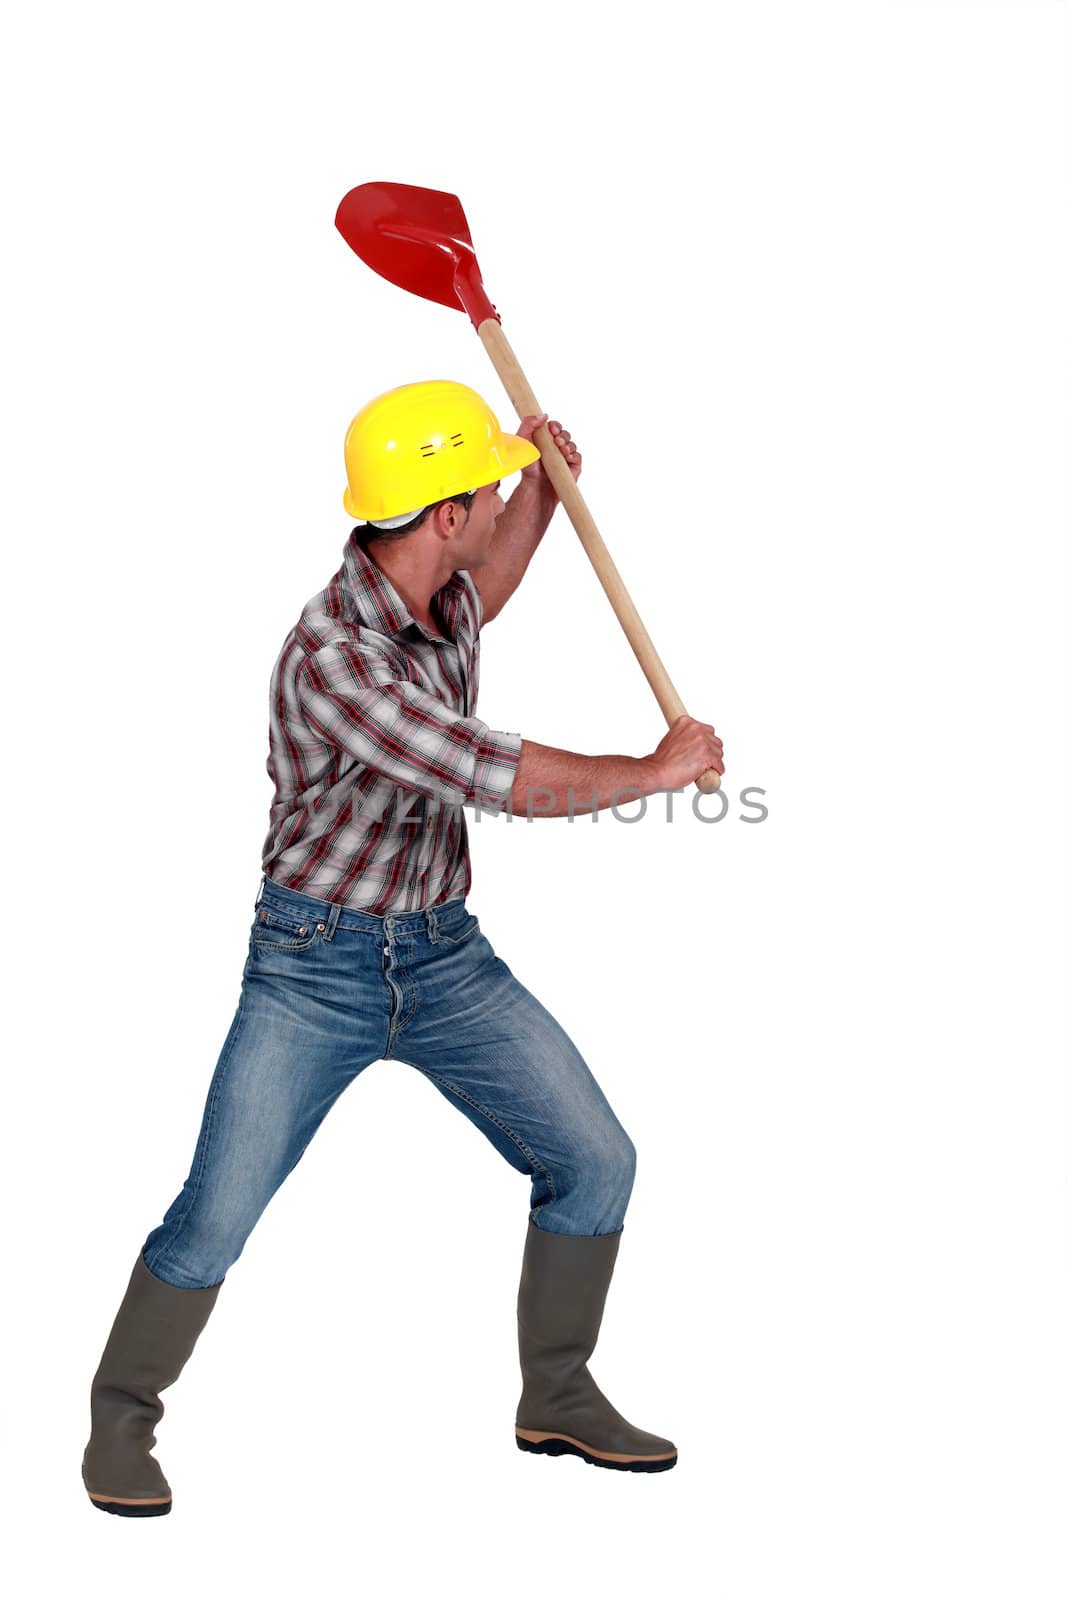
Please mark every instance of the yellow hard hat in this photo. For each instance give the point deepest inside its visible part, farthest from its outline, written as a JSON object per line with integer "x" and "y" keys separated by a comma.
{"x": 421, "y": 443}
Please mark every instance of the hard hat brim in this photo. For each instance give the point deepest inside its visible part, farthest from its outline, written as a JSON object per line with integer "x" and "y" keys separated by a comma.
{"x": 515, "y": 453}
{"x": 511, "y": 454}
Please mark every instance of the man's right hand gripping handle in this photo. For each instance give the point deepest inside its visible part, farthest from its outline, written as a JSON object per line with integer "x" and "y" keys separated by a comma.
{"x": 550, "y": 782}
{"x": 687, "y": 750}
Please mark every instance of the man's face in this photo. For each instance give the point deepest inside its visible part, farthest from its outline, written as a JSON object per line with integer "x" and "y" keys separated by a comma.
{"x": 471, "y": 545}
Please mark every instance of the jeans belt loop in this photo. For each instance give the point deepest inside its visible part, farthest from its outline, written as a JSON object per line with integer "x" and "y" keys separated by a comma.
{"x": 332, "y": 920}
{"x": 431, "y": 924}
{"x": 259, "y": 891}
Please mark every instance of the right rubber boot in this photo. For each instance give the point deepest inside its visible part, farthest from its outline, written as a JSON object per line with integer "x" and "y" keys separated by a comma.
{"x": 153, "y": 1335}
{"x": 562, "y": 1290}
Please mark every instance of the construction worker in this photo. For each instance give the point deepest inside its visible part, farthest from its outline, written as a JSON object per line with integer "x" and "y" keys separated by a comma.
{"x": 362, "y": 947}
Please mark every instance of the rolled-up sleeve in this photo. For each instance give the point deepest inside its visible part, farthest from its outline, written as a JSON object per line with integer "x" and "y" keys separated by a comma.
{"x": 404, "y": 733}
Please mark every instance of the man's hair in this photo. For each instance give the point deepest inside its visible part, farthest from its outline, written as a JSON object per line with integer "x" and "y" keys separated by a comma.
{"x": 365, "y": 534}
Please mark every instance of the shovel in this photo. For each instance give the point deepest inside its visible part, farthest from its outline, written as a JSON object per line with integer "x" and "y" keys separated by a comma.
{"x": 419, "y": 239}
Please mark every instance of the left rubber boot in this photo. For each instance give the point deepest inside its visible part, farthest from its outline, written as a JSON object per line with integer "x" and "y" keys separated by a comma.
{"x": 151, "y": 1339}
{"x": 564, "y": 1284}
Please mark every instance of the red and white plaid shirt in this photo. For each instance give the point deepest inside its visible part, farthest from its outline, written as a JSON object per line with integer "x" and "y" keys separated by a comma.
{"x": 375, "y": 748}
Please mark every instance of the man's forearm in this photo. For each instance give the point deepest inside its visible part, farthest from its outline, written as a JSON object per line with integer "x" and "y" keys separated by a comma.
{"x": 518, "y": 532}
{"x": 559, "y": 783}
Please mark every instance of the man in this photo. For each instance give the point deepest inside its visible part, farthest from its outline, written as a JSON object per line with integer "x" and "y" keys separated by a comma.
{"x": 362, "y": 947}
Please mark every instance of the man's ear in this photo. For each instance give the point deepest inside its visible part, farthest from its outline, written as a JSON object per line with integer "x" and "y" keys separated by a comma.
{"x": 446, "y": 520}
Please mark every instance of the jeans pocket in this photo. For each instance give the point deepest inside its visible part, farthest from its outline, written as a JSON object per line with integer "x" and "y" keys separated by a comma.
{"x": 459, "y": 932}
{"x": 281, "y": 930}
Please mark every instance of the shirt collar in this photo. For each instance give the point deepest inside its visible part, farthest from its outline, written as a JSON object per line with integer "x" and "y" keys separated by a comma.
{"x": 376, "y": 601}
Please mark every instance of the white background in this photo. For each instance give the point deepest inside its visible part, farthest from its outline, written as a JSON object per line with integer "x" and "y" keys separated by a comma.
{"x": 792, "y": 275}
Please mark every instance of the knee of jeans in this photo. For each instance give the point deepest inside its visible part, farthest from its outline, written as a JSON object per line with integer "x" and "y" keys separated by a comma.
{"x": 612, "y": 1165}
{"x": 627, "y": 1161}
{"x": 623, "y": 1158}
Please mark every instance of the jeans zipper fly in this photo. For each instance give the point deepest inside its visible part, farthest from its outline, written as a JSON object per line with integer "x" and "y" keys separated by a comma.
{"x": 398, "y": 996}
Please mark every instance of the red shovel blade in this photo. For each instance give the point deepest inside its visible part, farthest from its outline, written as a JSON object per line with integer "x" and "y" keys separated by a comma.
{"x": 419, "y": 240}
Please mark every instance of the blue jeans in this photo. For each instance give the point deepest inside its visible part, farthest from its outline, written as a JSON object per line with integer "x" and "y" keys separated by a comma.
{"x": 328, "y": 991}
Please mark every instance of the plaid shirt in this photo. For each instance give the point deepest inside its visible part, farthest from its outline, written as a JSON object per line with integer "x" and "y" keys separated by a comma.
{"x": 375, "y": 748}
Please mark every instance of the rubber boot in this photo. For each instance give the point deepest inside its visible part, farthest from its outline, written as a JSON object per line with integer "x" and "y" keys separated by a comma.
{"x": 152, "y": 1338}
{"x": 564, "y": 1283}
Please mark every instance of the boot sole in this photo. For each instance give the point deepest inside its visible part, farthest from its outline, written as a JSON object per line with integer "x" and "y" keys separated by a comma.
{"x": 562, "y": 1444}
{"x": 131, "y": 1508}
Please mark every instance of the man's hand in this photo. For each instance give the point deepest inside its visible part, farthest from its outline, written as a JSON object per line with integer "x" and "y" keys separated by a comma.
{"x": 535, "y": 472}
{"x": 687, "y": 750}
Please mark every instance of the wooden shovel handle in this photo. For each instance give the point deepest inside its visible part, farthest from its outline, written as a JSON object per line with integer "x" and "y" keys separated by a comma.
{"x": 522, "y": 398}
